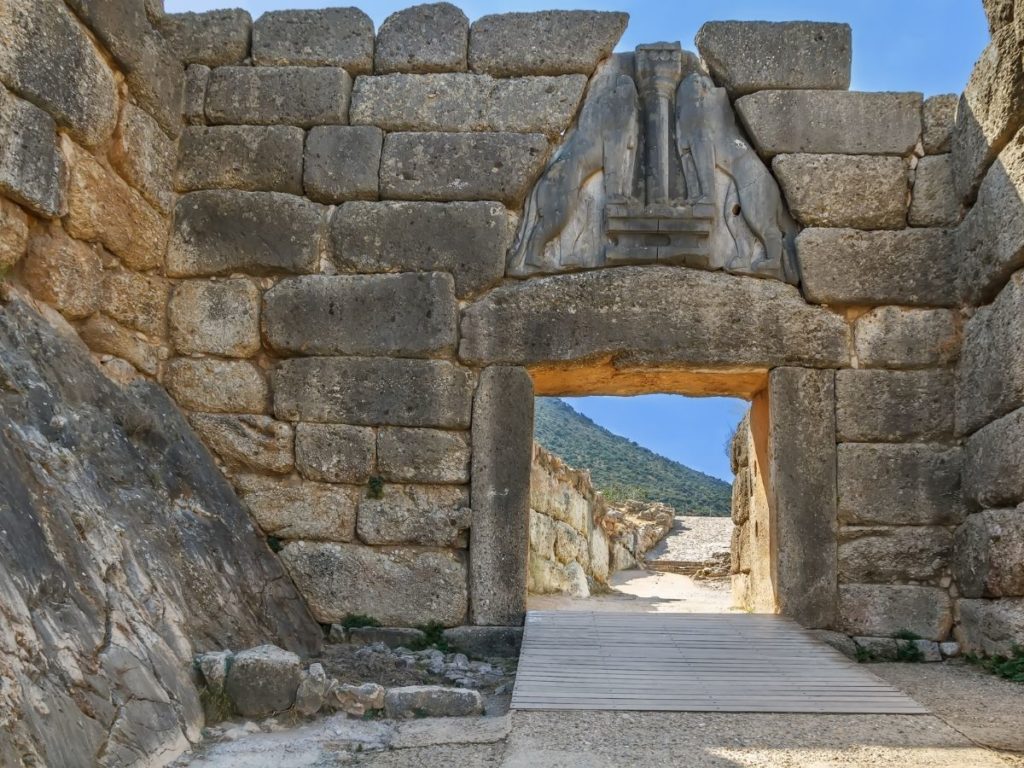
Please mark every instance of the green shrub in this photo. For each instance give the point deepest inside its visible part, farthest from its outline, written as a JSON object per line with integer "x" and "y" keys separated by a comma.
{"x": 375, "y": 488}
{"x": 1008, "y": 667}
{"x": 434, "y": 632}
{"x": 906, "y": 647}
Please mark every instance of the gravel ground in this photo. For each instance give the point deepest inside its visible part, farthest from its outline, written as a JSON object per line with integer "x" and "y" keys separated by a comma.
{"x": 693, "y": 539}
{"x": 641, "y": 591}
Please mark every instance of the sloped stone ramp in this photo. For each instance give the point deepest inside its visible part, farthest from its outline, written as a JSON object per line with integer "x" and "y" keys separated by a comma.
{"x": 691, "y": 662}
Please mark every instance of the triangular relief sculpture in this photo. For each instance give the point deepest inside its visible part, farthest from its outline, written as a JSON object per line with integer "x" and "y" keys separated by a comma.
{"x": 656, "y": 170}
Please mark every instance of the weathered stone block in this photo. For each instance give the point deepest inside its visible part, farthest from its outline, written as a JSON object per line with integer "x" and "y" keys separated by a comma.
{"x": 335, "y": 453}
{"x": 248, "y": 157}
{"x": 543, "y": 43}
{"x": 802, "y": 435}
{"x": 837, "y": 122}
{"x": 894, "y": 406}
{"x": 219, "y": 386}
{"x": 397, "y": 586}
{"x": 858, "y": 191}
{"x": 356, "y": 700}
{"x": 101, "y": 206}
{"x": 990, "y": 374}
{"x": 432, "y": 37}
{"x": 247, "y": 442}
{"x": 847, "y": 266}
{"x": 989, "y": 554}
{"x": 218, "y": 232}
{"x": 144, "y": 156}
{"x": 486, "y": 642}
{"x": 461, "y": 166}
{"x": 48, "y": 58}
{"x": 374, "y": 391}
{"x": 333, "y": 37}
{"x": 295, "y": 509}
{"x": 937, "y": 116}
{"x": 467, "y": 239}
{"x": 392, "y": 637}
{"x": 994, "y": 462}
{"x": 411, "y": 314}
{"x": 263, "y": 680}
{"x": 214, "y": 38}
{"x": 422, "y": 455}
{"x": 64, "y": 272}
{"x": 217, "y": 318}
{"x": 467, "y": 102}
{"x": 897, "y": 337}
{"x": 105, "y": 337}
{"x": 427, "y": 515}
{"x": 197, "y": 78}
{"x": 897, "y": 484}
{"x": 704, "y": 318}
{"x": 990, "y": 112}
{"x": 32, "y": 169}
{"x": 432, "y": 701}
{"x": 748, "y": 56}
{"x": 13, "y": 234}
{"x": 990, "y": 626}
{"x": 343, "y": 162}
{"x": 893, "y": 555}
{"x": 502, "y": 457}
{"x": 136, "y": 301}
{"x": 889, "y": 609}
{"x": 934, "y": 202}
{"x": 303, "y": 96}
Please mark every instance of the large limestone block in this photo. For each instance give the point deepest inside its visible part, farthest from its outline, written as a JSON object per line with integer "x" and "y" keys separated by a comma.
{"x": 47, "y": 58}
{"x": 399, "y": 587}
{"x": 219, "y": 386}
{"x": 213, "y": 38}
{"x": 893, "y": 555}
{"x": 848, "y": 266}
{"x": 994, "y": 462}
{"x": 106, "y": 337}
{"x": 217, "y": 318}
{"x": 934, "y": 203}
{"x": 101, "y": 206}
{"x": 837, "y": 122}
{"x": 412, "y": 314}
{"x": 703, "y": 318}
{"x": 542, "y": 536}
{"x": 431, "y": 701}
{"x": 136, "y": 301}
{"x": 13, "y": 234}
{"x": 899, "y": 484}
{"x": 335, "y": 453}
{"x": 296, "y": 509}
{"x": 989, "y": 554}
{"x": 894, "y": 406}
{"x": 248, "y": 157}
{"x": 461, "y": 166}
{"x": 408, "y": 455}
{"x": 342, "y": 162}
{"x": 467, "y": 239}
{"x": 32, "y": 169}
{"x": 374, "y": 391}
{"x": 302, "y": 96}
{"x": 218, "y": 232}
{"x": 248, "y": 442}
{"x": 937, "y": 117}
{"x": 502, "y": 458}
{"x": 990, "y": 626}
{"x": 885, "y": 610}
{"x": 433, "y": 37}
{"x": 63, "y": 272}
{"x": 333, "y": 37}
{"x": 467, "y": 102}
{"x": 990, "y": 374}
{"x": 858, "y": 191}
{"x": 144, "y": 156}
{"x": 197, "y": 78}
{"x": 543, "y": 43}
{"x": 991, "y": 238}
{"x": 748, "y": 56}
{"x": 990, "y": 112}
{"x": 426, "y": 515}
{"x": 898, "y": 337}
{"x": 802, "y": 465}
{"x": 262, "y": 681}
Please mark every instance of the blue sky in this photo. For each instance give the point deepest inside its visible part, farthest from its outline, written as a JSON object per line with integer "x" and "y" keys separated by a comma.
{"x": 913, "y": 45}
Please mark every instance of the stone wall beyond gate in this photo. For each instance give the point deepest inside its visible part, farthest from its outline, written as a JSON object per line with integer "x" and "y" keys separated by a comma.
{"x": 320, "y": 280}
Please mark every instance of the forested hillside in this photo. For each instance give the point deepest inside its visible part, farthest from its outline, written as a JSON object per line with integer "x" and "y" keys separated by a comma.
{"x": 622, "y": 469}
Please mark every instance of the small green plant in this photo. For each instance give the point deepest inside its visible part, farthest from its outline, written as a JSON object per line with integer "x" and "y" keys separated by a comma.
{"x": 274, "y": 543}
{"x": 906, "y": 647}
{"x": 375, "y": 488}
{"x": 216, "y": 705}
{"x": 433, "y": 638}
{"x": 355, "y": 620}
{"x": 865, "y": 655}
{"x": 1008, "y": 667}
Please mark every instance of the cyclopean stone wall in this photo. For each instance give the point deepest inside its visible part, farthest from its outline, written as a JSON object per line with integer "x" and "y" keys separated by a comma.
{"x": 319, "y": 278}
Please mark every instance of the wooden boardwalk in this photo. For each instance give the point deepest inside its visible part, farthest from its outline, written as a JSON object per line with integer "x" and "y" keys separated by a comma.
{"x": 691, "y": 662}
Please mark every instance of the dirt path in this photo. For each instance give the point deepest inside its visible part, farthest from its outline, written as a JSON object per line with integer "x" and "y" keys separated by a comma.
{"x": 646, "y": 592}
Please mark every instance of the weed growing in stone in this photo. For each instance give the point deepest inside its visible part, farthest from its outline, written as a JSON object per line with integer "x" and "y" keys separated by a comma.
{"x": 433, "y": 638}
{"x": 375, "y": 488}
{"x": 906, "y": 647}
{"x": 1008, "y": 667}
